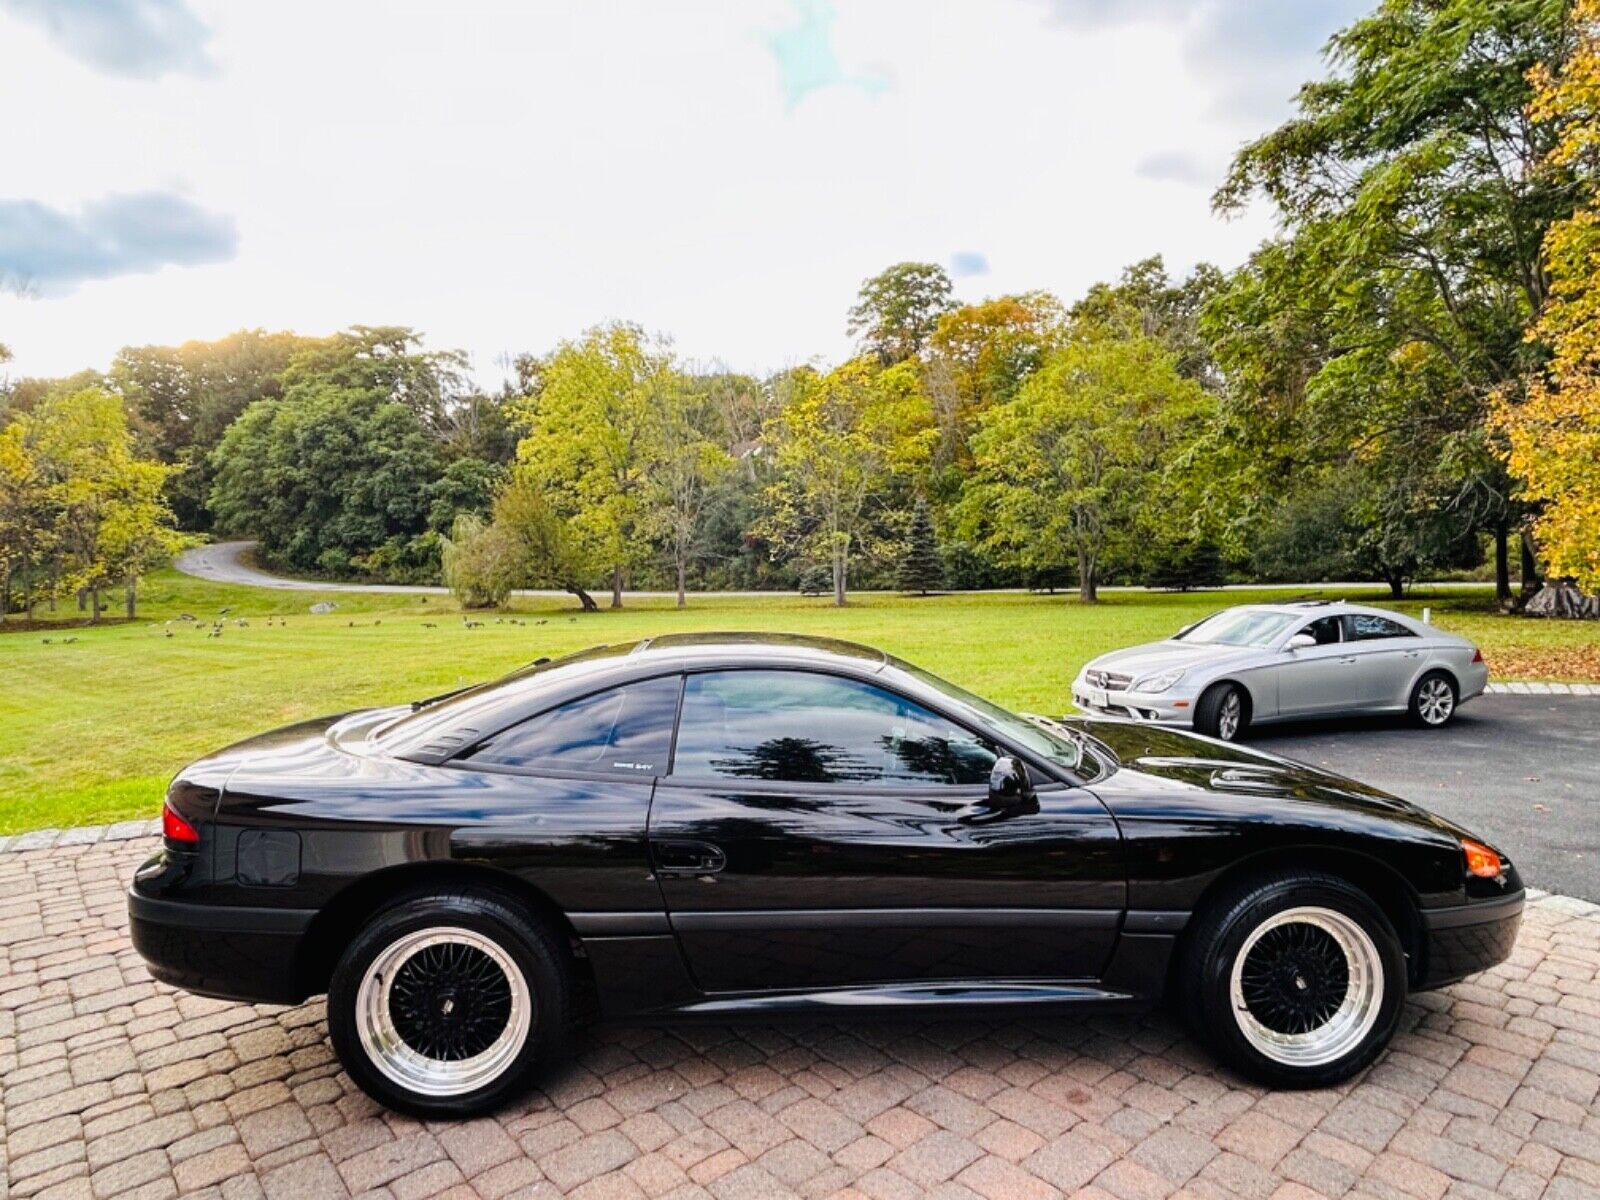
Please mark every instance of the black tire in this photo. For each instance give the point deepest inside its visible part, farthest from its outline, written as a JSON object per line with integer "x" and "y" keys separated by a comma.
{"x": 1428, "y": 699}
{"x": 490, "y": 921}
{"x": 1353, "y": 1036}
{"x": 1217, "y": 703}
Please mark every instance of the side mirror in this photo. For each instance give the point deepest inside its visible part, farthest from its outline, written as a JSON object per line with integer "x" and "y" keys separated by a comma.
{"x": 1009, "y": 784}
{"x": 1301, "y": 641}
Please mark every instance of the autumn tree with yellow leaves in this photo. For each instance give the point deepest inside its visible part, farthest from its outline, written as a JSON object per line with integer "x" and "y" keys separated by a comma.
{"x": 1552, "y": 437}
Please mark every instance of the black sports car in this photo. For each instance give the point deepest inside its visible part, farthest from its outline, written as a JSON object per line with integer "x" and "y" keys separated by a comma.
{"x": 732, "y": 825}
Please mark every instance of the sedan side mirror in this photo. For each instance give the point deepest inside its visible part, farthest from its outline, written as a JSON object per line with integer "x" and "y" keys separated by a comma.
{"x": 1301, "y": 641}
{"x": 1009, "y": 784}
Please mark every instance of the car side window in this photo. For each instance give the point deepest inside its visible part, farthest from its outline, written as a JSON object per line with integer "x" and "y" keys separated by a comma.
{"x": 1327, "y": 630}
{"x": 1367, "y": 628}
{"x": 801, "y": 727}
{"x": 624, "y": 731}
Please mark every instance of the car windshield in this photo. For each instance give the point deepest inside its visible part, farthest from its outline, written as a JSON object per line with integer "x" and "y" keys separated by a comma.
{"x": 1058, "y": 747}
{"x": 1239, "y": 627}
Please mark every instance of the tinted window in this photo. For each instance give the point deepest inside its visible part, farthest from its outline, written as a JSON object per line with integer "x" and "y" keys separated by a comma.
{"x": 796, "y": 727}
{"x": 624, "y": 731}
{"x": 1367, "y": 628}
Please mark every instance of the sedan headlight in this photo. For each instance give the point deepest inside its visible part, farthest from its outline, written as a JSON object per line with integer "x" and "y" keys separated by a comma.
{"x": 1158, "y": 683}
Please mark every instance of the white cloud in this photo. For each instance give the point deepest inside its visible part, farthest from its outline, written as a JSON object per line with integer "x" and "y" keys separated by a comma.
{"x": 501, "y": 175}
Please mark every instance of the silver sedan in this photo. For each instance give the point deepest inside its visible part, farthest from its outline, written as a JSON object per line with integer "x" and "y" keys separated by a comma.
{"x": 1259, "y": 663}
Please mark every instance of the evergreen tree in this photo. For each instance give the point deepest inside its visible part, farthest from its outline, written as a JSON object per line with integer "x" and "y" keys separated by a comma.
{"x": 922, "y": 566}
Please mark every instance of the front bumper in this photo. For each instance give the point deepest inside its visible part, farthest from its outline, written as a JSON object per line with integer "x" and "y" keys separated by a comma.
{"x": 1467, "y": 938}
{"x": 1165, "y": 708}
{"x": 229, "y": 951}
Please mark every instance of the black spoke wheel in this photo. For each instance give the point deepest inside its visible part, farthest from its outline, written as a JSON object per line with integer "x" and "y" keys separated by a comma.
{"x": 1296, "y": 977}
{"x": 444, "y": 1003}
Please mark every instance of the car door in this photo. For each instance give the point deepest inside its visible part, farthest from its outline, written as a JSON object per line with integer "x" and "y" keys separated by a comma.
{"x": 1388, "y": 656}
{"x": 818, "y": 831}
{"x": 1320, "y": 678}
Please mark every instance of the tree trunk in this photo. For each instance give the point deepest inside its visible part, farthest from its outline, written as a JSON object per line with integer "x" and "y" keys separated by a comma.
{"x": 94, "y": 601}
{"x": 1397, "y": 584}
{"x": 616, "y": 586}
{"x": 1502, "y": 561}
{"x": 1088, "y": 585}
{"x": 586, "y": 600}
{"x": 839, "y": 587}
{"x": 1530, "y": 566}
{"x": 5, "y": 593}
{"x": 82, "y": 599}
{"x": 133, "y": 594}
{"x": 682, "y": 602}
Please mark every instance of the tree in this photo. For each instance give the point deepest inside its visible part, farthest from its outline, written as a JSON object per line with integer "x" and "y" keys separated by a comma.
{"x": 921, "y": 565}
{"x": 1552, "y": 439}
{"x": 839, "y": 444}
{"x": 590, "y": 423}
{"x": 181, "y": 399}
{"x": 475, "y": 562}
{"x": 1073, "y": 463}
{"x": 338, "y": 467}
{"x": 535, "y": 546}
{"x": 898, "y": 309}
{"x": 978, "y": 356}
{"x": 1412, "y": 189}
{"x": 111, "y": 522}
{"x": 684, "y": 469}
{"x": 25, "y": 515}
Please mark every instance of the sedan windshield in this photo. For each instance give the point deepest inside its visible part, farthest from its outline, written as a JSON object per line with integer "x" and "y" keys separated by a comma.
{"x": 1239, "y": 627}
{"x": 1047, "y": 743}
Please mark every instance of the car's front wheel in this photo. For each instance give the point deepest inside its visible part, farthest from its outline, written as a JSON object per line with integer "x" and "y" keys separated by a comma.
{"x": 1223, "y": 712}
{"x": 443, "y": 1003}
{"x": 1296, "y": 979}
{"x": 1433, "y": 700}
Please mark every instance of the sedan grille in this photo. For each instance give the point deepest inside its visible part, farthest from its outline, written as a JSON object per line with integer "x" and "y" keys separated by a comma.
{"x": 1109, "y": 680}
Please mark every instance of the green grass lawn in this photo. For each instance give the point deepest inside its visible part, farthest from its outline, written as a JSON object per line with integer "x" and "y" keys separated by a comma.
{"x": 91, "y": 730}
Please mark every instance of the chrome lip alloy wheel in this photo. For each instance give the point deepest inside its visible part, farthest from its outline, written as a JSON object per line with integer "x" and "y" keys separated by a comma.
{"x": 443, "y": 1011}
{"x": 1228, "y": 717}
{"x": 1307, "y": 986}
{"x": 1435, "y": 701}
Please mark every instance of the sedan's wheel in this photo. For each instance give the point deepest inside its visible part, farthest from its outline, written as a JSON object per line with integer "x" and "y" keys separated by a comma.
{"x": 442, "y": 1004}
{"x": 1222, "y": 713}
{"x": 1433, "y": 700}
{"x": 1297, "y": 979}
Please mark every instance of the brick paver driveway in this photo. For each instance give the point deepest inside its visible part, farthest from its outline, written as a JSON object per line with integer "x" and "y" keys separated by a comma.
{"x": 116, "y": 1086}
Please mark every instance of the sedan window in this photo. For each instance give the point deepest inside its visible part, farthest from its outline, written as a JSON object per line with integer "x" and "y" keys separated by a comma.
{"x": 624, "y": 731}
{"x": 1368, "y": 628}
{"x": 798, "y": 727}
{"x": 1327, "y": 630}
{"x": 1239, "y": 627}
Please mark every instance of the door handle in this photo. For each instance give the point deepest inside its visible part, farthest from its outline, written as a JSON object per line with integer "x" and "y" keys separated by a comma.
{"x": 1350, "y": 659}
{"x": 688, "y": 858}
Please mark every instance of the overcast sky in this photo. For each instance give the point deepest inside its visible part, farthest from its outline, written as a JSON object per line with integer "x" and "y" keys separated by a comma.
{"x": 502, "y": 175}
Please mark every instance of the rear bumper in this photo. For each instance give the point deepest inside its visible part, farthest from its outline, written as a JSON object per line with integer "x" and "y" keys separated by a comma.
{"x": 1468, "y": 938}
{"x": 234, "y": 953}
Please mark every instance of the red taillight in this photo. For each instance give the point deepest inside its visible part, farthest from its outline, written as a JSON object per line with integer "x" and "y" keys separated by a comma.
{"x": 175, "y": 829}
{"x": 1477, "y": 655}
{"x": 1481, "y": 861}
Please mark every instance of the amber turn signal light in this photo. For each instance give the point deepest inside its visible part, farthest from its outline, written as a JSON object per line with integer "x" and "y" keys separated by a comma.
{"x": 1481, "y": 861}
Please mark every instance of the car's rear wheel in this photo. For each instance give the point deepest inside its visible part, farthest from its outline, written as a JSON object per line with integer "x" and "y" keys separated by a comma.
{"x": 1223, "y": 712}
{"x": 443, "y": 1003}
{"x": 1433, "y": 700}
{"x": 1296, "y": 979}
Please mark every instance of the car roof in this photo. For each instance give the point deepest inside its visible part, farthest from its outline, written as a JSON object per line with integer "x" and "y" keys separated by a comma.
{"x": 1311, "y": 608}
{"x": 435, "y": 728}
